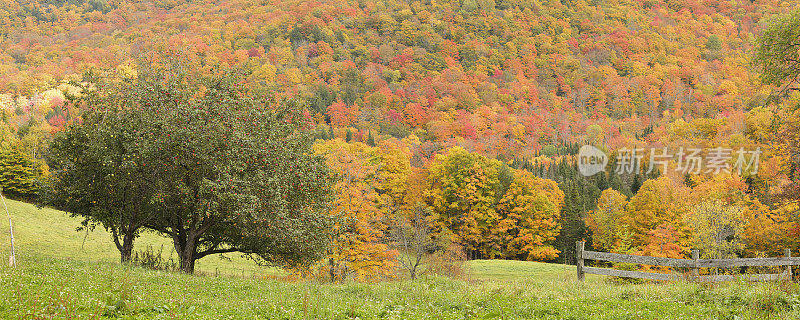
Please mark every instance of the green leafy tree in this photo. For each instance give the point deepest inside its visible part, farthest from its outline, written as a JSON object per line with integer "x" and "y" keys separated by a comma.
{"x": 17, "y": 173}
{"x": 777, "y": 56}
{"x": 777, "y": 53}
{"x": 98, "y": 172}
{"x": 227, "y": 170}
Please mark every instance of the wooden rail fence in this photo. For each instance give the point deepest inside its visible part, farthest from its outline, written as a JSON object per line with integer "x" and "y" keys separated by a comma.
{"x": 693, "y": 264}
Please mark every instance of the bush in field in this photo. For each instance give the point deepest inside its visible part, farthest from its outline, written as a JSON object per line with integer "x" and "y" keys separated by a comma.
{"x": 449, "y": 259}
{"x": 154, "y": 260}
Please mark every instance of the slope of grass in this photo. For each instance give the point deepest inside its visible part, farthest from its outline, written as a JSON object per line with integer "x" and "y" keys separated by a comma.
{"x": 61, "y": 276}
{"x": 50, "y": 233}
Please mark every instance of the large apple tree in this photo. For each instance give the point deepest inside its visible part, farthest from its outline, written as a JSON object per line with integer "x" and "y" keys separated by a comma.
{"x": 218, "y": 168}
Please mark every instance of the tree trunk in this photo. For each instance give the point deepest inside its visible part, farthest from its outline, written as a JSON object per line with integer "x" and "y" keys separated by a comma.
{"x": 187, "y": 263}
{"x": 187, "y": 254}
{"x": 332, "y": 270}
{"x": 127, "y": 248}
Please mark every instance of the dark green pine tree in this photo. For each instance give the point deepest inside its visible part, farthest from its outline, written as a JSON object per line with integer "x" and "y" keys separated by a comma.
{"x": 370, "y": 139}
{"x": 688, "y": 181}
{"x": 601, "y": 181}
{"x": 573, "y": 227}
{"x": 636, "y": 184}
{"x": 615, "y": 182}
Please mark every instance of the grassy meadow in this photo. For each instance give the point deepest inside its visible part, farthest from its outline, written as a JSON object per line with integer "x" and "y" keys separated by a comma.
{"x": 64, "y": 274}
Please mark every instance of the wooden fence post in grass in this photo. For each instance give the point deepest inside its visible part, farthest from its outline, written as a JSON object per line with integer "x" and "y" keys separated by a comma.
{"x": 12, "y": 260}
{"x": 788, "y": 254}
{"x": 696, "y": 265}
{"x": 579, "y": 259}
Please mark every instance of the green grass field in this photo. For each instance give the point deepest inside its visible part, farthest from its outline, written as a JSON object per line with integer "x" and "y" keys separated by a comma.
{"x": 49, "y": 233}
{"x": 64, "y": 274}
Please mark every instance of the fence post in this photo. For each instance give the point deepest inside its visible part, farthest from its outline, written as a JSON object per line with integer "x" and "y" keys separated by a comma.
{"x": 788, "y": 253}
{"x": 579, "y": 259}
{"x": 696, "y": 267}
{"x": 12, "y": 260}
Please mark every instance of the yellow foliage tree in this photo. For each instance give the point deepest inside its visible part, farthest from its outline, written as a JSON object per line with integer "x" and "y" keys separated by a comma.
{"x": 657, "y": 203}
{"x": 530, "y": 209}
{"x": 767, "y": 232}
{"x": 605, "y": 222}
{"x": 717, "y": 229}
{"x": 394, "y": 158}
{"x": 492, "y": 210}
{"x": 463, "y": 193}
{"x": 266, "y": 72}
{"x": 357, "y": 249}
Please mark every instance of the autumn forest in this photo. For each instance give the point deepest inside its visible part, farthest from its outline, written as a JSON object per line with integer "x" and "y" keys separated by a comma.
{"x": 348, "y": 139}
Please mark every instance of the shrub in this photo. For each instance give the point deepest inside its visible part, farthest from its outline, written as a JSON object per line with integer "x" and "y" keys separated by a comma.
{"x": 153, "y": 260}
{"x": 449, "y": 261}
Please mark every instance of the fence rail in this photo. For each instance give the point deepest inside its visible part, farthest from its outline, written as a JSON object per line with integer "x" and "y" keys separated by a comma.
{"x": 693, "y": 264}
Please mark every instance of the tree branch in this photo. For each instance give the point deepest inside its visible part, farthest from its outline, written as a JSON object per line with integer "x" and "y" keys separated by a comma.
{"x": 214, "y": 251}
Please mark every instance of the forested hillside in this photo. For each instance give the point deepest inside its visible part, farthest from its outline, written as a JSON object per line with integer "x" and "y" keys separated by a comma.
{"x": 507, "y": 77}
{"x": 431, "y": 98}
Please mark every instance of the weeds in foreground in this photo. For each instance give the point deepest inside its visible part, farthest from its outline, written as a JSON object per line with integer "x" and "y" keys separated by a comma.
{"x": 150, "y": 259}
